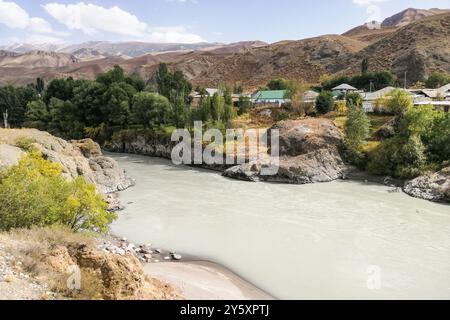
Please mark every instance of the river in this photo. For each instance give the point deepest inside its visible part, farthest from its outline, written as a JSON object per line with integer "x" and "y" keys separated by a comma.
{"x": 339, "y": 240}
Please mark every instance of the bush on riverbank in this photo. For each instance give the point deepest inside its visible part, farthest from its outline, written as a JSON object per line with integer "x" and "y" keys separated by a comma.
{"x": 34, "y": 193}
{"x": 421, "y": 143}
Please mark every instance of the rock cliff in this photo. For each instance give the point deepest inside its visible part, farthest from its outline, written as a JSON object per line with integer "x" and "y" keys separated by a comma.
{"x": 78, "y": 158}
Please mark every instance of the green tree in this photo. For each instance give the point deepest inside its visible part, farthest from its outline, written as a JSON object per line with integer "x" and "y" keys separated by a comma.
{"x": 115, "y": 75}
{"x": 398, "y": 102}
{"x": 136, "y": 81}
{"x": 437, "y": 139}
{"x": 357, "y": 129}
{"x": 40, "y": 85}
{"x": 228, "y": 114}
{"x": 172, "y": 85}
{"x": 61, "y": 89}
{"x": 15, "y": 100}
{"x": 151, "y": 109}
{"x": 365, "y": 66}
{"x": 116, "y": 103}
{"x": 179, "y": 112}
{"x": 291, "y": 86}
{"x": 244, "y": 105}
{"x": 217, "y": 107}
{"x": 88, "y": 101}
{"x": 204, "y": 112}
{"x": 65, "y": 119}
{"x": 325, "y": 102}
{"x": 437, "y": 80}
{"x": 37, "y": 115}
{"x": 354, "y": 99}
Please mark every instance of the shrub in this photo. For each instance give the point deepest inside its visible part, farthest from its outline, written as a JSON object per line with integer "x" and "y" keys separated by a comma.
{"x": 398, "y": 102}
{"x": 325, "y": 102}
{"x": 25, "y": 143}
{"x": 34, "y": 193}
{"x": 340, "y": 107}
{"x": 354, "y": 99}
{"x": 397, "y": 157}
{"x": 357, "y": 129}
{"x": 437, "y": 80}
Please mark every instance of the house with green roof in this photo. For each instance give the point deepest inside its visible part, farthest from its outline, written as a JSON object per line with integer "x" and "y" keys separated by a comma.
{"x": 278, "y": 97}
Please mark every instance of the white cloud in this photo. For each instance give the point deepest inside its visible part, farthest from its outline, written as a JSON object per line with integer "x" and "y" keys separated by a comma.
{"x": 39, "y": 39}
{"x": 368, "y": 2}
{"x": 13, "y": 16}
{"x": 39, "y": 25}
{"x": 92, "y": 19}
{"x": 173, "y": 35}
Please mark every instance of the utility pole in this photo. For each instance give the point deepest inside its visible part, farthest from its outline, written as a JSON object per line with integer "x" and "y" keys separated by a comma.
{"x": 5, "y": 118}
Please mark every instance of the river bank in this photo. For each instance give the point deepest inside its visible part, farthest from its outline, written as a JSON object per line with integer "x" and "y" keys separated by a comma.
{"x": 193, "y": 278}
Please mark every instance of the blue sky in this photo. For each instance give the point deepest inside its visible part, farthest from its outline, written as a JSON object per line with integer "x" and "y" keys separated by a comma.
{"x": 189, "y": 21}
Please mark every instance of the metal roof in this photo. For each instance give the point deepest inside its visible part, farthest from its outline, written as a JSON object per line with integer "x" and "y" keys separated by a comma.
{"x": 270, "y": 95}
{"x": 344, "y": 87}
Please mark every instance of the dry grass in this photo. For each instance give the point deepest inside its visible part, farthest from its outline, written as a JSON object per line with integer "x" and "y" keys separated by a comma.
{"x": 31, "y": 249}
{"x": 48, "y": 255}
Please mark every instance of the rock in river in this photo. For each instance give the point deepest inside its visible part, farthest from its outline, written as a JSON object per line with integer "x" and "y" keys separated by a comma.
{"x": 309, "y": 153}
{"x": 434, "y": 187}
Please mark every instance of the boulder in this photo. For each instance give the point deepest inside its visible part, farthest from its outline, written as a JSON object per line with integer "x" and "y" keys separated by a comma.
{"x": 299, "y": 137}
{"x": 9, "y": 155}
{"x": 309, "y": 153}
{"x": 434, "y": 187}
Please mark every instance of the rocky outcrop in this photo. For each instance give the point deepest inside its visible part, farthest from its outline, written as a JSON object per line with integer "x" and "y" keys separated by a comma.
{"x": 434, "y": 187}
{"x": 309, "y": 153}
{"x": 45, "y": 259}
{"x": 9, "y": 155}
{"x": 140, "y": 142}
{"x": 77, "y": 158}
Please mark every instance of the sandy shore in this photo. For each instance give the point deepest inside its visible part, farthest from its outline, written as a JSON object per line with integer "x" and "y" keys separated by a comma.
{"x": 201, "y": 280}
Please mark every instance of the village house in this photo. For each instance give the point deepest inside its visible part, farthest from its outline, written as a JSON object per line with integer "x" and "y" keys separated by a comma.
{"x": 196, "y": 96}
{"x": 270, "y": 97}
{"x": 310, "y": 96}
{"x": 343, "y": 89}
{"x": 369, "y": 98}
{"x": 209, "y": 92}
{"x": 442, "y": 93}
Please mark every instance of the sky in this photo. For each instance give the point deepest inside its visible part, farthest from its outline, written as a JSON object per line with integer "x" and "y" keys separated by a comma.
{"x": 189, "y": 21}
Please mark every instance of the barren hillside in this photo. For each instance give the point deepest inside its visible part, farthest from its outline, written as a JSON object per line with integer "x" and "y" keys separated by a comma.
{"x": 419, "y": 48}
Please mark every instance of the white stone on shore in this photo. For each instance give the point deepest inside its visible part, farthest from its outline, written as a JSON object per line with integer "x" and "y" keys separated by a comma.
{"x": 176, "y": 257}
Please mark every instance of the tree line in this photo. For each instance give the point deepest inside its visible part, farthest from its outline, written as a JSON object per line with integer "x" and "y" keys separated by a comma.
{"x": 76, "y": 108}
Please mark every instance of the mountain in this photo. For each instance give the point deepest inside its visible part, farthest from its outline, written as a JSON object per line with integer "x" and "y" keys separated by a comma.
{"x": 418, "y": 47}
{"x": 28, "y": 47}
{"x": 37, "y": 59}
{"x": 410, "y": 15}
{"x": 134, "y": 49}
{"x": 4, "y": 53}
{"x": 374, "y": 31}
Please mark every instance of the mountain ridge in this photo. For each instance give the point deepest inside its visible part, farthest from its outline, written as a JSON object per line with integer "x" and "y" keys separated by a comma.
{"x": 418, "y": 48}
